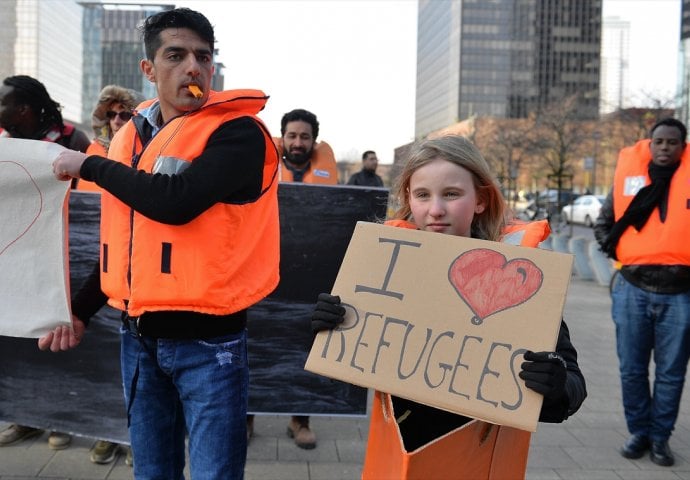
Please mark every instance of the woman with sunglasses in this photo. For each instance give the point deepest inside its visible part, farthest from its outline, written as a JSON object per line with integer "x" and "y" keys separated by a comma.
{"x": 114, "y": 109}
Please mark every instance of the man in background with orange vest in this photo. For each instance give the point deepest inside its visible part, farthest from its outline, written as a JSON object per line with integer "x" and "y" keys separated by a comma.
{"x": 303, "y": 160}
{"x": 645, "y": 225}
{"x": 28, "y": 112}
{"x": 189, "y": 241}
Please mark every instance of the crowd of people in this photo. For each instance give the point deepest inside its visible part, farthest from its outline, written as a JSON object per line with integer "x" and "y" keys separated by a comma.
{"x": 175, "y": 167}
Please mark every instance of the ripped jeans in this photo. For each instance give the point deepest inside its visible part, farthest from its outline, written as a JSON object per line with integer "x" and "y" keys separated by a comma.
{"x": 195, "y": 386}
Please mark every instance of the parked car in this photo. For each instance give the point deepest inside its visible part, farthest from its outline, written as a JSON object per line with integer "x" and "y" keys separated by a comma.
{"x": 547, "y": 203}
{"x": 585, "y": 209}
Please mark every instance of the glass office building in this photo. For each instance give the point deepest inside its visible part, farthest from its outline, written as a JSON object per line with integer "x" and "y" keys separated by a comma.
{"x": 43, "y": 40}
{"x": 504, "y": 58}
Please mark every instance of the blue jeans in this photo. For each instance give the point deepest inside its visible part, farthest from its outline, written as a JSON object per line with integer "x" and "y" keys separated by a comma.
{"x": 198, "y": 386}
{"x": 651, "y": 322}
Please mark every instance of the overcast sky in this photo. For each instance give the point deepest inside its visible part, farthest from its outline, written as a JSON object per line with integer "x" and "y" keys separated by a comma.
{"x": 353, "y": 62}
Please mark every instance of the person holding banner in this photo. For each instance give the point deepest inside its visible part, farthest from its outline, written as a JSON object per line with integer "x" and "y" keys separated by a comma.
{"x": 447, "y": 187}
{"x": 27, "y": 111}
{"x": 303, "y": 160}
{"x": 189, "y": 241}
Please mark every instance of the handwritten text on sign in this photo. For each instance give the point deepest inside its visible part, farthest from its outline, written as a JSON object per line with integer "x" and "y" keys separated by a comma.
{"x": 444, "y": 320}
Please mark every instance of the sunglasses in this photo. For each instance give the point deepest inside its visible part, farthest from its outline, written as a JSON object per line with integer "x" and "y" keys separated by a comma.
{"x": 124, "y": 116}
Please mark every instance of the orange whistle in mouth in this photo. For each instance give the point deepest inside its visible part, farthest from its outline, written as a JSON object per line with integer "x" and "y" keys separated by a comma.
{"x": 196, "y": 91}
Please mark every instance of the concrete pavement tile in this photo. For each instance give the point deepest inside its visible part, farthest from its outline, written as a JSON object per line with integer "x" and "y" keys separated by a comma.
{"x": 549, "y": 457}
{"x": 600, "y": 401}
{"x": 650, "y": 475}
{"x": 351, "y": 451}
{"x": 277, "y": 471}
{"x": 331, "y": 428}
{"x": 554, "y": 435}
{"x": 335, "y": 471}
{"x": 566, "y": 474}
{"x": 122, "y": 471}
{"x": 598, "y": 437}
{"x": 325, "y": 451}
{"x": 600, "y": 458}
{"x": 263, "y": 448}
{"x": 541, "y": 474}
{"x": 600, "y": 419}
{"x": 24, "y": 460}
{"x": 74, "y": 463}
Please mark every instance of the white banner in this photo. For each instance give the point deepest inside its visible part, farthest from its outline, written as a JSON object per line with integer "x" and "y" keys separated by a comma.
{"x": 34, "y": 284}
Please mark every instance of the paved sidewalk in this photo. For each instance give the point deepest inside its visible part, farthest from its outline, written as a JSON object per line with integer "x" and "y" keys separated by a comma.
{"x": 584, "y": 447}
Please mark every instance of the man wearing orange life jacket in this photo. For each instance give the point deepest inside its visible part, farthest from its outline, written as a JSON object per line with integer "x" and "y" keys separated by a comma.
{"x": 190, "y": 240}
{"x": 303, "y": 160}
{"x": 28, "y": 112}
{"x": 644, "y": 224}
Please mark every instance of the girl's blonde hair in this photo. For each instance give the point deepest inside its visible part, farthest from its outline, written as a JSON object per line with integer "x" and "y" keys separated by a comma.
{"x": 487, "y": 225}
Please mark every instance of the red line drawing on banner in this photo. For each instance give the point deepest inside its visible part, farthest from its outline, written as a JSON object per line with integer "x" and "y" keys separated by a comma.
{"x": 18, "y": 209}
{"x": 488, "y": 283}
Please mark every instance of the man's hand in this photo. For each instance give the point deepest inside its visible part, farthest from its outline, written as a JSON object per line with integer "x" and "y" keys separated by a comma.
{"x": 328, "y": 313}
{"x": 63, "y": 337}
{"x": 68, "y": 164}
{"x": 545, "y": 373}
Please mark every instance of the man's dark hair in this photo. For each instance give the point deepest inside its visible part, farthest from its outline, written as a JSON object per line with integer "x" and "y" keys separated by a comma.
{"x": 177, "y": 18}
{"x": 364, "y": 155}
{"x": 300, "y": 115}
{"x": 31, "y": 92}
{"x": 671, "y": 122}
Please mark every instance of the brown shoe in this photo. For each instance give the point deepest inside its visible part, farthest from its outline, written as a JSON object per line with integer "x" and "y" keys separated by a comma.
{"x": 17, "y": 433}
{"x": 298, "y": 428}
{"x": 59, "y": 441}
{"x": 250, "y": 427}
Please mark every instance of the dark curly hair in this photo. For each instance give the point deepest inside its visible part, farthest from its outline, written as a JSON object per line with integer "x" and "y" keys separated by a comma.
{"x": 300, "y": 115}
{"x": 31, "y": 92}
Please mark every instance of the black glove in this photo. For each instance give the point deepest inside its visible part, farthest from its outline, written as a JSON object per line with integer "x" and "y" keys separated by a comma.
{"x": 328, "y": 313}
{"x": 545, "y": 373}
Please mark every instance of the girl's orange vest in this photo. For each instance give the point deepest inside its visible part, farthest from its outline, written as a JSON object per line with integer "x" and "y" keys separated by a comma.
{"x": 322, "y": 170}
{"x": 477, "y": 450}
{"x": 657, "y": 243}
{"x": 221, "y": 262}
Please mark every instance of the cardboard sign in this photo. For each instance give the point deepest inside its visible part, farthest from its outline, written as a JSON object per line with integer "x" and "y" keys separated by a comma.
{"x": 444, "y": 320}
{"x": 33, "y": 285}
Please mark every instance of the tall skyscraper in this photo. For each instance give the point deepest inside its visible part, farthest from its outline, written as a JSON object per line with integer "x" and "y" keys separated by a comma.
{"x": 615, "y": 57}
{"x": 113, "y": 49}
{"x": 504, "y": 58}
{"x": 684, "y": 71}
{"x": 43, "y": 40}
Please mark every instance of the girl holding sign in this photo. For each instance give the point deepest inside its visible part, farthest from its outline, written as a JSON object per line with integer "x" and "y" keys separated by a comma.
{"x": 447, "y": 187}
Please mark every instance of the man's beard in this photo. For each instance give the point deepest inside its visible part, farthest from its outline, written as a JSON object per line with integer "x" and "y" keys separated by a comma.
{"x": 299, "y": 159}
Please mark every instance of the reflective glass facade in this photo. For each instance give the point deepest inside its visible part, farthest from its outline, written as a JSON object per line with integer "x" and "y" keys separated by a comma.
{"x": 504, "y": 58}
{"x": 43, "y": 40}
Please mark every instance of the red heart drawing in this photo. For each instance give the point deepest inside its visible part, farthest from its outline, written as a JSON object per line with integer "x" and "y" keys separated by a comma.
{"x": 488, "y": 283}
{"x": 19, "y": 213}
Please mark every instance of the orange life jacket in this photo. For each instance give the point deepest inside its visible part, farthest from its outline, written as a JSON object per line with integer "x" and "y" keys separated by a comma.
{"x": 95, "y": 148}
{"x": 657, "y": 243}
{"x": 221, "y": 262}
{"x": 477, "y": 449}
{"x": 526, "y": 234}
{"x": 322, "y": 167}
